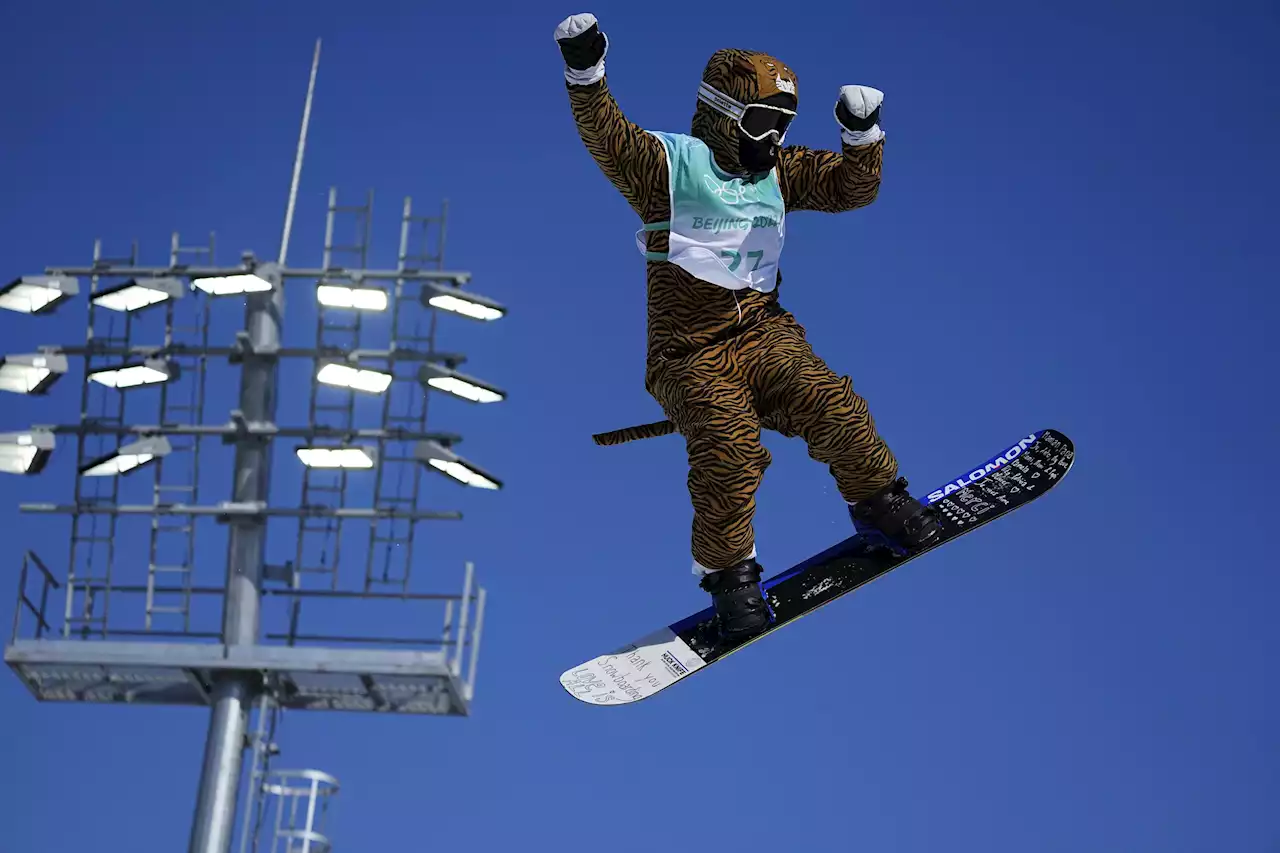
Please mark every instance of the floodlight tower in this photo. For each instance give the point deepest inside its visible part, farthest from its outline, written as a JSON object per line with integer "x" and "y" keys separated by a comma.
{"x": 129, "y": 636}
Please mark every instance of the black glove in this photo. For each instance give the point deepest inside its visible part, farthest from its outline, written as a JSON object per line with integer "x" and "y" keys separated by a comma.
{"x": 581, "y": 42}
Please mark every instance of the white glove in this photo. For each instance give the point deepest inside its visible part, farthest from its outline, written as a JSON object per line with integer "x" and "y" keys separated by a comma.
{"x": 858, "y": 112}
{"x": 583, "y": 46}
{"x": 575, "y": 25}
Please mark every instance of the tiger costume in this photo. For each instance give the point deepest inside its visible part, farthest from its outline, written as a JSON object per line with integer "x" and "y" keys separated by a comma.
{"x": 724, "y": 359}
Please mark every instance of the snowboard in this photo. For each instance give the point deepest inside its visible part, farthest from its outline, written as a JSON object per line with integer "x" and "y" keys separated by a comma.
{"x": 1012, "y": 478}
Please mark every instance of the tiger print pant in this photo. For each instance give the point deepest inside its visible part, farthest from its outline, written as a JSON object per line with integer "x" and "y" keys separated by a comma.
{"x": 720, "y": 397}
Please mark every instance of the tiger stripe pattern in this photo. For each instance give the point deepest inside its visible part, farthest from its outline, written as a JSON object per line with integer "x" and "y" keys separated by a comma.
{"x": 765, "y": 378}
{"x": 634, "y": 433}
{"x": 725, "y": 364}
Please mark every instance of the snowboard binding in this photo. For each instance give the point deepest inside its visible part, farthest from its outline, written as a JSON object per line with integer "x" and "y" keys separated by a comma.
{"x": 741, "y": 608}
{"x": 900, "y": 518}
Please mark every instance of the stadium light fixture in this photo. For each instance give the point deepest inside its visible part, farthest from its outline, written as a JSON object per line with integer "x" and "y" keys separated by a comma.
{"x": 459, "y": 301}
{"x": 138, "y": 293}
{"x": 135, "y": 374}
{"x": 355, "y": 298}
{"x": 342, "y": 375}
{"x": 38, "y": 294}
{"x": 25, "y": 452}
{"x": 231, "y": 285}
{"x": 442, "y": 459}
{"x": 443, "y": 378}
{"x": 338, "y": 457}
{"x": 31, "y": 373}
{"x": 128, "y": 457}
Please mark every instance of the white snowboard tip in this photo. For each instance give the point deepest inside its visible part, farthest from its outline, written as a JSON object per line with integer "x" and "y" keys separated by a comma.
{"x": 634, "y": 672}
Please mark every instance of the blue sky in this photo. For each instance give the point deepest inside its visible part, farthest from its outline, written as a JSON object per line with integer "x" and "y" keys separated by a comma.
{"x": 1072, "y": 232}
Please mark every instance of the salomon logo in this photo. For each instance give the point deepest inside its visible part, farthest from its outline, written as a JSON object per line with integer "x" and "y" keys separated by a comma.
{"x": 978, "y": 473}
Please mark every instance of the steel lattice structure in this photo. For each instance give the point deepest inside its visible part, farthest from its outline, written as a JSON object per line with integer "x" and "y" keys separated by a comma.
{"x": 113, "y": 632}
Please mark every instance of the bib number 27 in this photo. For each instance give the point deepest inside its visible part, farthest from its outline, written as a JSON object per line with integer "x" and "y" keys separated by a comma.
{"x": 737, "y": 259}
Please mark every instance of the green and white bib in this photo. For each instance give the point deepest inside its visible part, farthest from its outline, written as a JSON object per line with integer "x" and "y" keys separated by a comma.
{"x": 723, "y": 229}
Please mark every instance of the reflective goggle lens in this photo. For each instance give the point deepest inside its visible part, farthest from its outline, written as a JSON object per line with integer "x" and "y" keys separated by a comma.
{"x": 758, "y": 121}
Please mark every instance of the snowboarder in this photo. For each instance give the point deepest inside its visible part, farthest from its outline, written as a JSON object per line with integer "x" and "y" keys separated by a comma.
{"x": 724, "y": 359}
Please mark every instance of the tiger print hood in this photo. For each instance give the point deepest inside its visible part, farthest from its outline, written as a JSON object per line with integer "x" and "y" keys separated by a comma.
{"x": 748, "y": 77}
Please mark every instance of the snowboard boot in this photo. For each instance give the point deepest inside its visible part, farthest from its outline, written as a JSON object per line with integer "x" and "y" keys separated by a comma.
{"x": 899, "y": 516}
{"x": 741, "y": 609}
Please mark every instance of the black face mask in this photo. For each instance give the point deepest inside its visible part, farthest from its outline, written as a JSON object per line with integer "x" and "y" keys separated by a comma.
{"x": 757, "y": 157}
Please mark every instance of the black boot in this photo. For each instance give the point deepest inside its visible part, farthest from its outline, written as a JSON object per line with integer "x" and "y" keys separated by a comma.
{"x": 899, "y": 516}
{"x": 741, "y": 609}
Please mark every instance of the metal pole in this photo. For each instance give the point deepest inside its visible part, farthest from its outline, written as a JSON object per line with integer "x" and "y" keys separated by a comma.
{"x": 220, "y": 775}
{"x": 216, "y": 801}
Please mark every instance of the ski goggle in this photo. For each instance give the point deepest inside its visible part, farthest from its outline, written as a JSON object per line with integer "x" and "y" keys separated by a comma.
{"x": 757, "y": 122}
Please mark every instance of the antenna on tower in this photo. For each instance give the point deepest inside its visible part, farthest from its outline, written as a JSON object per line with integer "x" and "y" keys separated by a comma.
{"x": 297, "y": 159}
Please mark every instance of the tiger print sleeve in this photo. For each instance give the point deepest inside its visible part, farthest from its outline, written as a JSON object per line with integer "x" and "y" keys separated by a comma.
{"x": 830, "y": 181}
{"x": 634, "y": 161}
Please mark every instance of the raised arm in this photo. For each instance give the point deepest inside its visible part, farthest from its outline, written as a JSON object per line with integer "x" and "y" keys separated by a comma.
{"x": 633, "y": 161}
{"x": 836, "y": 181}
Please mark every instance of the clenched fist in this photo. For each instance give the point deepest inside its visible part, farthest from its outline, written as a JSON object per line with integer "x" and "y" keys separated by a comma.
{"x": 858, "y": 112}
{"x": 583, "y": 47}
